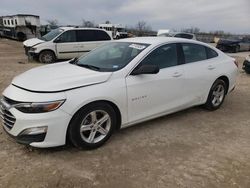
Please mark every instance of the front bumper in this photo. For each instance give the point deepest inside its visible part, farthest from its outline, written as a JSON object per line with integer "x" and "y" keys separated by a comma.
{"x": 27, "y": 139}
{"x": 30, "y": 54}
{"x": 56, "y": 121}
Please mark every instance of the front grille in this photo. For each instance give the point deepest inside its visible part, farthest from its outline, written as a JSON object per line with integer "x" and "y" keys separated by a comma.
{"x": 7, "y": 117}
{"x": 26, "y": 49}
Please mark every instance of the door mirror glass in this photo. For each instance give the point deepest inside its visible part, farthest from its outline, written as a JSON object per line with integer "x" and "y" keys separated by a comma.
{"x": 146, "y": 69}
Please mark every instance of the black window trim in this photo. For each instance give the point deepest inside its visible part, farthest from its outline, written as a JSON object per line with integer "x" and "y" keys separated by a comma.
{"x": 178, "y": 50}
{"x": 206, "y": 49}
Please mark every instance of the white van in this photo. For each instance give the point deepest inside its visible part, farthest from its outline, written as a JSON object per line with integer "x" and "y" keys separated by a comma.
{"x": 65, "y": 43}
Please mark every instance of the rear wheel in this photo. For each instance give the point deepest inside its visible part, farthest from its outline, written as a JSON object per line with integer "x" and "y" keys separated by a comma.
{"x": 47, "y": 57}
{"x": 216, "y": 95}
{"x": 92, "y": 126}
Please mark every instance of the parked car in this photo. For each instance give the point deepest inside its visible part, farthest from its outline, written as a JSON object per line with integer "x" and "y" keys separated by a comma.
{"x": 234, "y": 45}
{"x": 177, "y": 34}
{"x": 114, "y": 86}
{"x": 65, "y": 43}
{"x": 246, "y": 65}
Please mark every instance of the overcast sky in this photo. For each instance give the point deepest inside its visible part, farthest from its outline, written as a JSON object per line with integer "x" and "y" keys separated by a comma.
{"x": 228, "y": 15}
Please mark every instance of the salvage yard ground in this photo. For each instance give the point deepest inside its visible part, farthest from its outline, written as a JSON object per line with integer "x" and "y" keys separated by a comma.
{"x": 192, "y": 148}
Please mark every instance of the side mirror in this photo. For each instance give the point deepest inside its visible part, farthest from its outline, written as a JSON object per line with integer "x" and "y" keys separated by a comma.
{"x": 146, "y": 69}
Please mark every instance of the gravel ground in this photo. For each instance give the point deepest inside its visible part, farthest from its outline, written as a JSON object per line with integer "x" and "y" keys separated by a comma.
{"x": 192, "y": 148}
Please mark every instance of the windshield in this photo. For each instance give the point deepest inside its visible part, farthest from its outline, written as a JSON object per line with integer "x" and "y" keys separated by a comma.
{"x": 52, "y": 34}
{"x": 111, "y": 56}
{"x": 121, "y": 29}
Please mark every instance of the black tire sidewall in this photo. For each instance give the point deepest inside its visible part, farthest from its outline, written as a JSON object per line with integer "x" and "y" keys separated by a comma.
{"x": 45, "y": 53}
{"x": 209, "y": 105}
{"x": 74, "y": 126}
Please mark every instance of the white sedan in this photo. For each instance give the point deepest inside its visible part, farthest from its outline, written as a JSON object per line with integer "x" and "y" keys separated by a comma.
{"x": 117, "y": 85}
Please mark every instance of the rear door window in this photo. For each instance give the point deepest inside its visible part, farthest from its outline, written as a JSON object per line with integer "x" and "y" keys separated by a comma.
{"x": 84, "y": 35}
{"x": 101, "y": 35}
{"x": 194, "y": 52}
{"x": 91, "y": 35}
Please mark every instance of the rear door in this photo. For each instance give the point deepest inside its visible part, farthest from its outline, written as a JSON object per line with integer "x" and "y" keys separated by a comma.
{"x": 90, "y": 39}
{"x": 200, "y": 71}
{"x": 66, "y": 45}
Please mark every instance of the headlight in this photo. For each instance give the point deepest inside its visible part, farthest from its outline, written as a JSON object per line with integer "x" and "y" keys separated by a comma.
{"x": 39, "y": 107}
{"x": 32, "y": 49}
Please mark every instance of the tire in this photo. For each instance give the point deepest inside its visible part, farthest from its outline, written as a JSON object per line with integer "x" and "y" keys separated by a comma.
{"x": 47, "y": 57}
{"x": 92, "y": 125}
{"x": 21, "y": 36}
{"x": 216, "y": 95}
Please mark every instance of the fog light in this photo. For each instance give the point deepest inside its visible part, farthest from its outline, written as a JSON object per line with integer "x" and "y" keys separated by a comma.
{"x": 34, "y": 131}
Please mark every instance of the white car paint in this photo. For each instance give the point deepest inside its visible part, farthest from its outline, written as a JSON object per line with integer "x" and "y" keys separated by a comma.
{"x": 75, "y": 49}
{"x": 138, "y": 98}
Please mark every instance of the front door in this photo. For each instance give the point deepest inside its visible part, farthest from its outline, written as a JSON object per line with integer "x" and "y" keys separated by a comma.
{"x": 66, "y": 45}
{"x": 152, "y": 94}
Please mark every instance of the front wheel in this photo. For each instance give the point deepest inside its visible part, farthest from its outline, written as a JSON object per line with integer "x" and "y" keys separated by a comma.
{"x": 92, "y": 126}
{"x": 47, "y": 57}
{"x": 216, "y": 95}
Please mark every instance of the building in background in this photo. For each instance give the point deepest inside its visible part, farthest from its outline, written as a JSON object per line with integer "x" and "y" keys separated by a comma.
{"x": 117, "y": 31}
{"x": 20, "y": 26}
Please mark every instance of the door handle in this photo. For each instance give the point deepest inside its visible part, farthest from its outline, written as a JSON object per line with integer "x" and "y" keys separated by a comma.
{"x": 177, "y": 74}
{"x": 211, "y": 67}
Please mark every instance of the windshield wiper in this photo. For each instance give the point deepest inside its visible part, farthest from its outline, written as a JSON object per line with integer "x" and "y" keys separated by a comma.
{"x": 92, "y": 67}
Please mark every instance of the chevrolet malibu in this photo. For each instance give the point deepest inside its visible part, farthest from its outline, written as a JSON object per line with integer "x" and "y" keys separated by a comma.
{"x": 114, "y": 86}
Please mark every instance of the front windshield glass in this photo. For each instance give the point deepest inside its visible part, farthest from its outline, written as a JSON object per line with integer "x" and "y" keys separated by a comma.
{"x": 111, "y": 56}
{"x": 121, "y": 29}
{"x": 52, "y": 34}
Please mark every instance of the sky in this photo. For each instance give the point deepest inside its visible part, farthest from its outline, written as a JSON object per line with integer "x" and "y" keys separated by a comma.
{"x": 208, "y": 15}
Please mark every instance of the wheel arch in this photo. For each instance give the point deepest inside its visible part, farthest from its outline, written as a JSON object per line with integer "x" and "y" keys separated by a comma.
{"x": 47, "y": 50}
{"x": 226, "y": 80}
{"x": 112, "y": 104}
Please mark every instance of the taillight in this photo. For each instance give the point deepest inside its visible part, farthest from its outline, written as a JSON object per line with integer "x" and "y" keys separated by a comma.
{"x": 236, "y": 63}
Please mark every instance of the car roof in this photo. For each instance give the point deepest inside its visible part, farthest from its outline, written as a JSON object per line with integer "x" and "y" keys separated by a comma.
{"x": 159, "y": 40}
{"x": 80, "y": 28}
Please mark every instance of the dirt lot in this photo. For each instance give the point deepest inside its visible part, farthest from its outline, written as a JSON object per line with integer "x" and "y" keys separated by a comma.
{"x": 193, "y": 148}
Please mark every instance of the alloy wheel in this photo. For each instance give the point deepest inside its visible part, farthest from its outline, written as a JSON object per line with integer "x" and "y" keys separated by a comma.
{"x": 95, "y": 126}
{"x": 218, "y": 95}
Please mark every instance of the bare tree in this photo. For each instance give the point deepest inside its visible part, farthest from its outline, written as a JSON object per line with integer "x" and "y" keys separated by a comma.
{"x": 87, "y": 23}
{"x": 53, "y": 22}
{"x": 107, "y": 22}
{"x": 142, "y": 27}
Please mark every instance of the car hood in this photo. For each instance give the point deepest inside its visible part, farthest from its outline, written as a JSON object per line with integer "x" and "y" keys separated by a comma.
{"x": 32, "y": 42}
{"x": 59, "y": 77}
